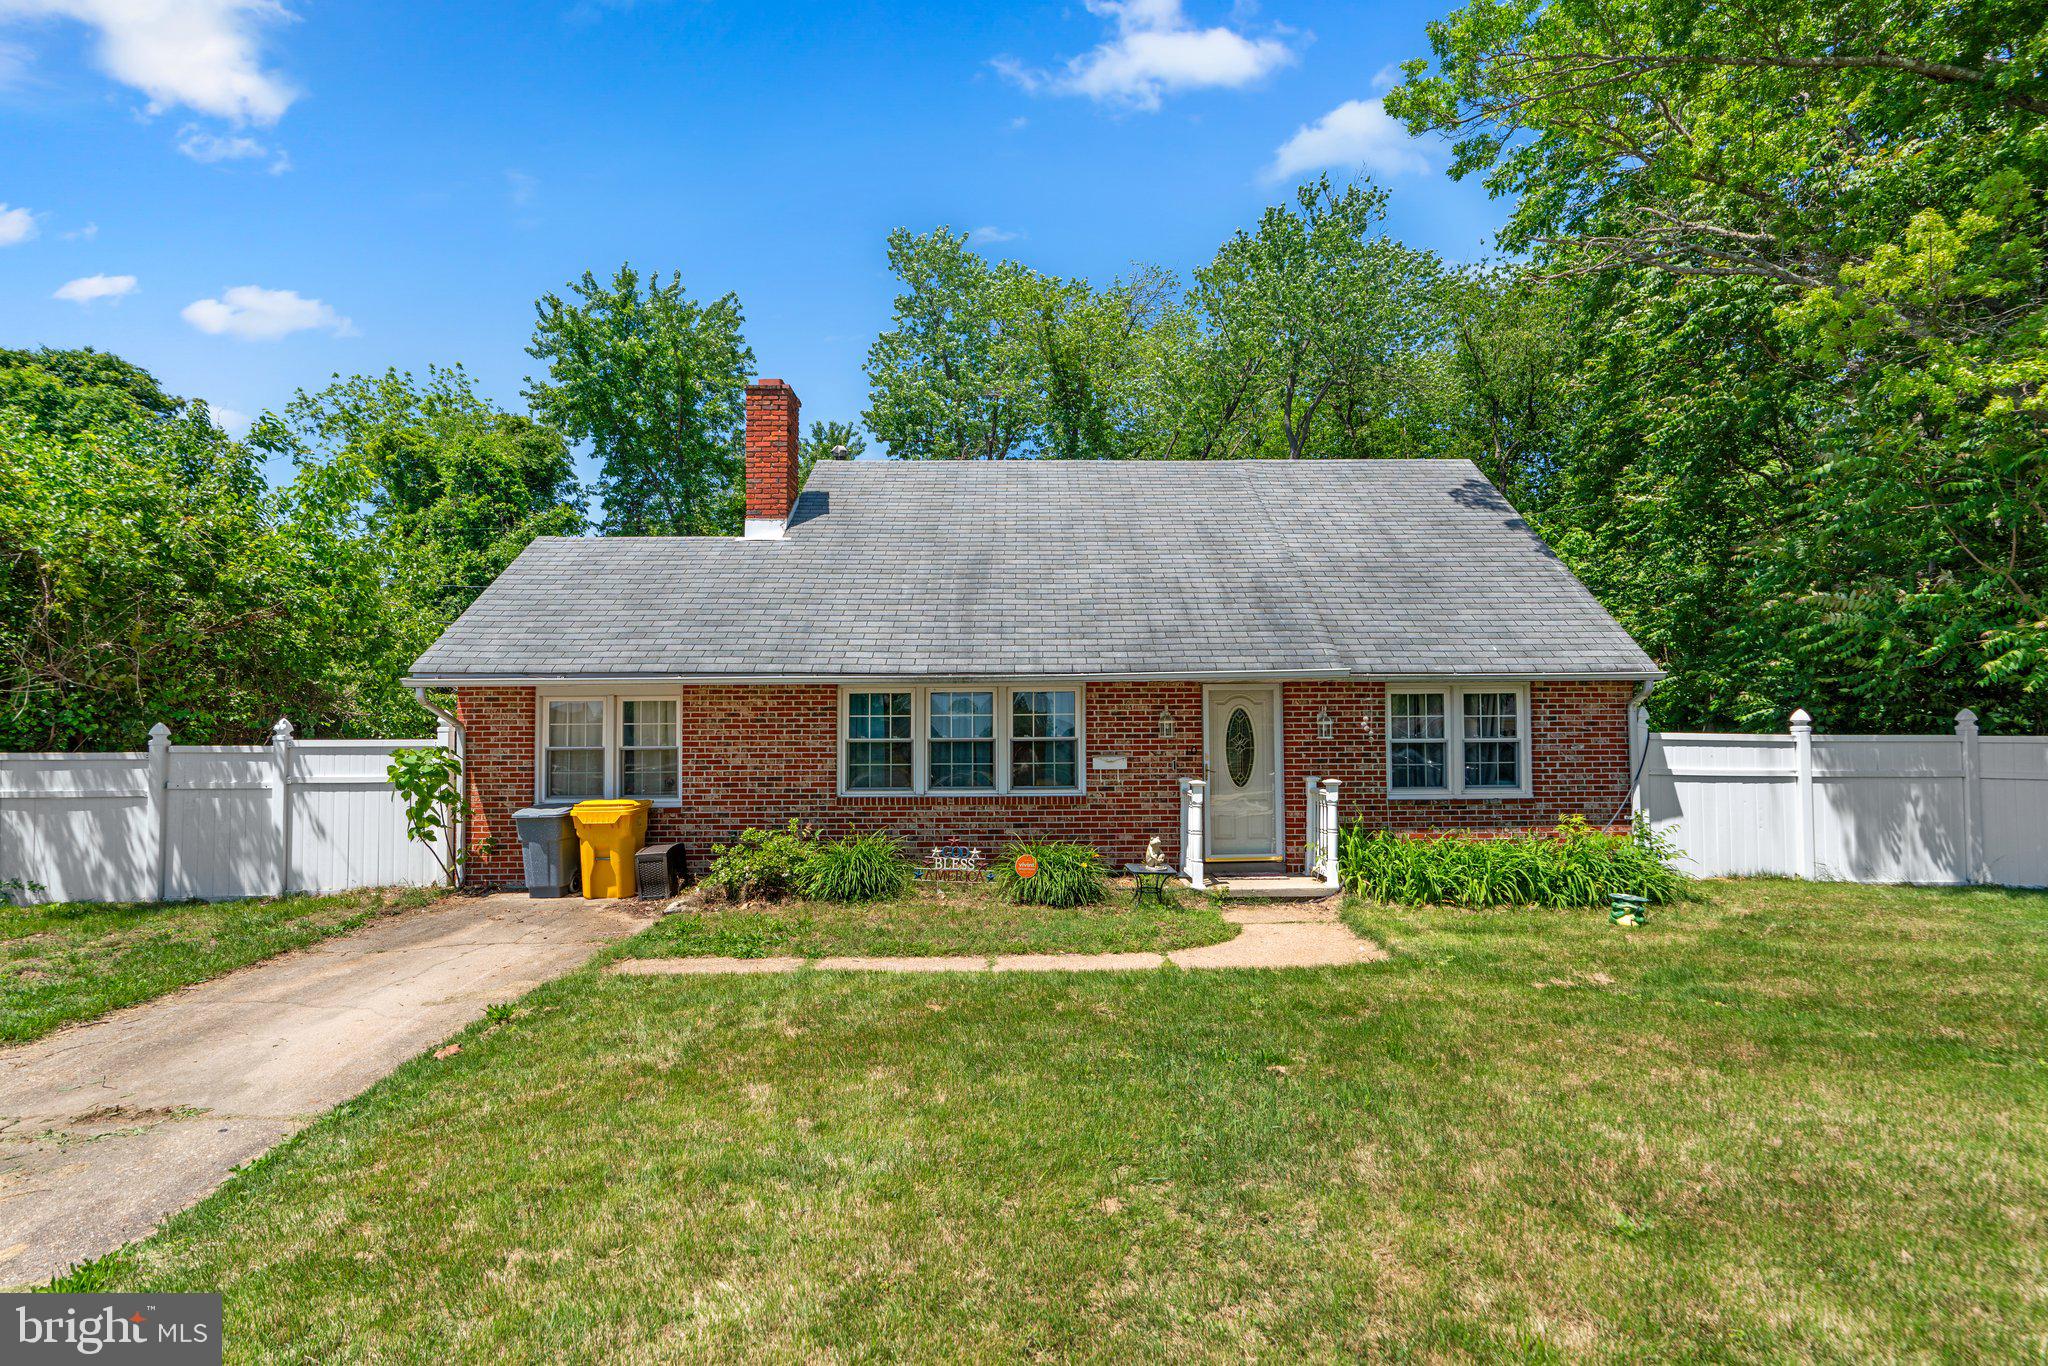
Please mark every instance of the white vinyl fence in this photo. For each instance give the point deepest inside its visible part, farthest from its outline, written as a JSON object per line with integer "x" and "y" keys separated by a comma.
{"x": 1957, "y": 808}
{"x": 210, "y": 821}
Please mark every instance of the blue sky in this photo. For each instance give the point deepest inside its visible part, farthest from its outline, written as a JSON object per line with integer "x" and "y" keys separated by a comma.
{"x": 303, "y": 188}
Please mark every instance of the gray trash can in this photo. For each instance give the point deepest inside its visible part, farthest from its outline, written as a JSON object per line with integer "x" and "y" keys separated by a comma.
{"x": 547, "y": 840}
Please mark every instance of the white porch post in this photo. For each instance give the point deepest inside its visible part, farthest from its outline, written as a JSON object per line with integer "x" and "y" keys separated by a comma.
{"x": 160, "y": 803}
{"x": 1193, "y": 829}
{"x": 1326, "y": 832}
{"x": 1975, "y": 867}
{"x": 1312, "y": 826}
{"x": 1802, "y": 809}
{"x": 281, "y": 802}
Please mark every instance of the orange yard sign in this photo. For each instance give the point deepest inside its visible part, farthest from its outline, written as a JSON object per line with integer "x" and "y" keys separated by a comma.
{"x": 1027, "y": 866}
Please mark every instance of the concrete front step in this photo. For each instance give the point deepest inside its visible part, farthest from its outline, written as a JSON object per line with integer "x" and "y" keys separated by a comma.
{"x": 1273, "y": 888}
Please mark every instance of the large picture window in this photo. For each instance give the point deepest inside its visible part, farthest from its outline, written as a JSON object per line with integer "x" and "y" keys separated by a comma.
{"x": 961, "y": 741}
{"x": 1466, "y": 741}
{"x": 609, "y": 745}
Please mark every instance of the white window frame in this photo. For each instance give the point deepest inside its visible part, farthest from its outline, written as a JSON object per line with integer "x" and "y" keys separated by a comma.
{"x": 614, "y": 736}
{"x": 1453, "y": 695}
{"x": 920, "y": 740}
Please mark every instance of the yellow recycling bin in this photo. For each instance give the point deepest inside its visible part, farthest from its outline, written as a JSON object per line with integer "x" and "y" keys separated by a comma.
{"x": 611, "y": 832}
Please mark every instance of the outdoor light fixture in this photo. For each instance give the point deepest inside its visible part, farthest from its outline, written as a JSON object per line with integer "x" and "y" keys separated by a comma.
{"x": 1165, "y": 724}
{"x": 1326, "y": 725}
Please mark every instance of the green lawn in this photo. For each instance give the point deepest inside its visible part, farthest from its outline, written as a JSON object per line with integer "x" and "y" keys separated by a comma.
{"x": 75, "y": 960}
{"x": 956, "y": 918}
{"x": 1779, "y": 1122}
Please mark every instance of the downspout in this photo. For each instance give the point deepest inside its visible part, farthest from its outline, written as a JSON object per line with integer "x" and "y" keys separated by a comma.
{"x": 1638, "y": 744}
{"x": 459, "y": 835}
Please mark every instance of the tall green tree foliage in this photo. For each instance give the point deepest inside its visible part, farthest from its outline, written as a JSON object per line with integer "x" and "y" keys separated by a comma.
{"x": 148, "y": 573}
{"x": 450, "y": 487}
{"x": 990, "y": 360}
{"x": 1862, "y": 183}
{"x": 1314, "y": 334}
{"x": 656, "y": 383}
{"x": 1323, "y": 320}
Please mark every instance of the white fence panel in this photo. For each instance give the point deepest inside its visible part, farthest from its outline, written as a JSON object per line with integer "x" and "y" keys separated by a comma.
{"x": 223, "y": 842}
{"x": 347, "y": 825}
{"x": 1937, "y": 809}
{"x": 97, "y": 804}
{"x": 2015, "y": 787}
{"x": 1889, "y": 809}
{"x": 1726, "y": 801}
{"x": 209, "y": 821}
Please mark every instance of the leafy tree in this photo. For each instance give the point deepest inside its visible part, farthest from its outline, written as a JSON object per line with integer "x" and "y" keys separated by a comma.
{"x": 148, "y": 573}
{"x": 66, "y": 392}
{"x": 823, "y": 443}
{"x": 656, "y": 383}
{"x": 992, "y": 360}
{"x": 452, "y": 488}
{"x": 1869, "y": 178}
{"x": 1322, "y": 317}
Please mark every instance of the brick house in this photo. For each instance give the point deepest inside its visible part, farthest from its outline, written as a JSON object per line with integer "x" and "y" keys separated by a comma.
{"x": 1229, "y": 655}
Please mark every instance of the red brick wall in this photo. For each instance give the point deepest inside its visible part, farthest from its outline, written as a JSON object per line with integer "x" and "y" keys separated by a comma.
{"x": 498, "y": 728}
{"x": 772, "y": 435}
{"x": 1578, "y": 752}
{"x": 757, "y": 756}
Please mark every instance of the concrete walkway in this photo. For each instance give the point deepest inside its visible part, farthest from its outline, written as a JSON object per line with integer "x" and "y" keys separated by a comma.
{"x": 1282, "y": 935}
{"x": 108, "y": 1127}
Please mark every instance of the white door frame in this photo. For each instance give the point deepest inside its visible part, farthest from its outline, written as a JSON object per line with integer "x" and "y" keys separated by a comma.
{"x": 1279, "y": 854}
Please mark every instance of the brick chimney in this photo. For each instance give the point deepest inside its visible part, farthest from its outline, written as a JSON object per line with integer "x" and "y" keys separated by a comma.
{"x": 771, "y": 457}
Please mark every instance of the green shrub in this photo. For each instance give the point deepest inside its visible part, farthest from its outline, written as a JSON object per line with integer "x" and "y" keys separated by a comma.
{"x": 1068, "y": 875}
{"x": 1574, "y": 866}
{"x": 761, "y": 865}
{"x": 869, "y": 867}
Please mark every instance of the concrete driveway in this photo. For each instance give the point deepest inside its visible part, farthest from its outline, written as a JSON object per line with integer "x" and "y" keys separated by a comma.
{"x": 108, "y": 1127}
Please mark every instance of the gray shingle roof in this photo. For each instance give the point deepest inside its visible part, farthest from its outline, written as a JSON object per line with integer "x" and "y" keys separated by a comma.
{"x": 1089, "y": 568}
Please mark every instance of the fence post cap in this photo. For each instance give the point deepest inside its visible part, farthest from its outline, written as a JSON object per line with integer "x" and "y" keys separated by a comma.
{"x": 159, "y": 733}
{"x": 1966, "y": 719}
{"x": 1801, "y": 720}
{"x": 282, "y": 730}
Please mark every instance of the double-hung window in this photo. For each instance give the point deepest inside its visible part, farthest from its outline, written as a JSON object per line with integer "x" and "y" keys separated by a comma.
{"x": 961, "y": 755}
{"x": 960, "y": 741}
{"x": 1045, "y": 746}
{"x": 878, "y": 741}
{"x": 609, "y": 746}
{"x": 1466, "y": 741}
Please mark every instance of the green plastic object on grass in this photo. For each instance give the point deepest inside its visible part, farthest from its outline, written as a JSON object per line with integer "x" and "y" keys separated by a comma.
{"x": 1628, "y": 909}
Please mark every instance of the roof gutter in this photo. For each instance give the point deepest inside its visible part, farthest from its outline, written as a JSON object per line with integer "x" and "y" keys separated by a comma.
{"x": 1169, "y": 676}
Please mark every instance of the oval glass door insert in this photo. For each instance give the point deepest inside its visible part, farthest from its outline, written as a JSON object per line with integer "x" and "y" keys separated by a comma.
{"x": 1238, "y": 746}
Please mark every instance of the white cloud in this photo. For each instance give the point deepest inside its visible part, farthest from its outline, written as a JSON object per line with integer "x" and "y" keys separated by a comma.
{"x": 233, "y": 421}
{"x": 521, "y": 188}
{"x": 14, "y": 60}
{"x": 1156, "y": 52}
{"x": 203, "y": 54}
{"x": 257, "y": 314}
{"x": 991, "y": 235}
{"x": 208, "y": 148}
{"x": 88, "y": 289}
{"x": 1357, "y": 134}
{"x": 84, "y": 234}
{"x": 16, "y": 226}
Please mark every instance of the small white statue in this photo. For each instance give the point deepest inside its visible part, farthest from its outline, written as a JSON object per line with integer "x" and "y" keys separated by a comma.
{"x": 1155, "y": 857}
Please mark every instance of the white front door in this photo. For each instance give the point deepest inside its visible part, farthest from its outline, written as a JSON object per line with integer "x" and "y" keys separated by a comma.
{"x": 1244, "y": 805}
